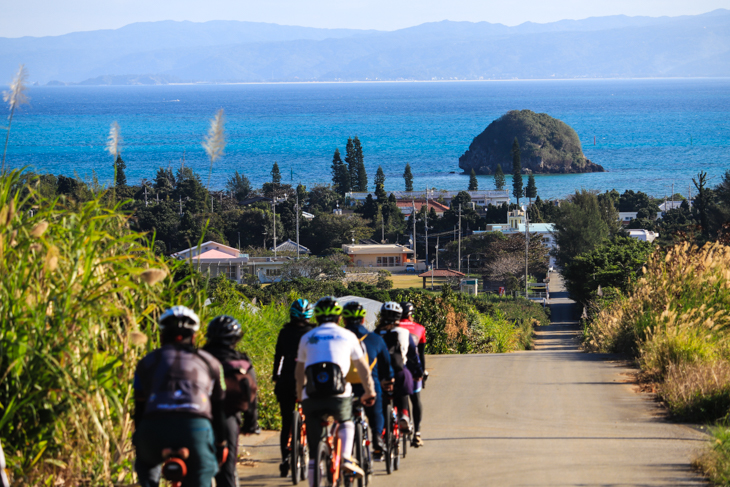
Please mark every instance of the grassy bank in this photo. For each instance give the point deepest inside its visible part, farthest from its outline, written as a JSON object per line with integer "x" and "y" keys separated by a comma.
{"x": 675, "y": 321}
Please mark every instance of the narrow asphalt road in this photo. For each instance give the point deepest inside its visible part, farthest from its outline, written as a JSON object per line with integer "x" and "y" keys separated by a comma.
{"x": 553, "y": 416}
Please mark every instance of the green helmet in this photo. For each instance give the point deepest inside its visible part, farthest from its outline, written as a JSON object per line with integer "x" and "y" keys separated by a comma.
{"x": 353, "y": 313}
{"x": 327, "y": 309}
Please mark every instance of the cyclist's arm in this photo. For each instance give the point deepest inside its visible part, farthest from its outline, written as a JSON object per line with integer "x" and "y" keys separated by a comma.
{"x": 422, "y": 354}
{"x": 385, "y": 370}
{"x": 277, "y": 359}
{"x": 414, "y": 360}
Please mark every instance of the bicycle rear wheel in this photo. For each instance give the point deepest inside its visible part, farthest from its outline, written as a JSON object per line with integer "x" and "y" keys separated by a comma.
{"x": 406, "y": 439}
{"x": 396, "y": 444}
{"x": 358, "y": 452}
{"x": 322, "y": 472}
{"x": 295, "y": 454}
{"x": 389, "y": 439}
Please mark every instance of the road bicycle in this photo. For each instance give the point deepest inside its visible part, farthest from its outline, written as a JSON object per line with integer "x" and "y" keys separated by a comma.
{"x": 362, "y": 443}
{"x": 298, "y": 447}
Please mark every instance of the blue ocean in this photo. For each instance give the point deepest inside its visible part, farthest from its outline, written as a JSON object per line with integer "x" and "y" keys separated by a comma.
{"x": 648, "y": 134}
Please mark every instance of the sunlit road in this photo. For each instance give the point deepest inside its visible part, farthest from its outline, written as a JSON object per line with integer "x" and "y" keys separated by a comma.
{"x": 552, "y": 416}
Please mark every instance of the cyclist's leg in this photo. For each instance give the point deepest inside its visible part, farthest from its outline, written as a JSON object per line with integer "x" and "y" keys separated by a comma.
{"x": 313, "y": 411}
{"x": 417, "y": 410}
{"x": 149, "y": 453}
{"x": 227, "y": 476}
{"x": 376, "y": 419}
{"x": 286, "y": 406}
{"x": 202, "y": 463}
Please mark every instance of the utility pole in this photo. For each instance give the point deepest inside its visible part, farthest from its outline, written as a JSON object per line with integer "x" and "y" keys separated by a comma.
{"x": 413, "y": 214}
{"x": 211, "y": 203}
{"x": 459, "y": 237}
{"x": 239, "y": 241}
{"x": 382, "y": 228}
{"x": 527, "y": 247}
{"x": 158, "y": 198}
{"x": 437, "y": 251}
{"x": 273, "y": 205}
{"x": 297, "y": 207}
{"x": 181, "y": 212}
{"x": 425, "y": 215}
{"x": 145, "y": 195}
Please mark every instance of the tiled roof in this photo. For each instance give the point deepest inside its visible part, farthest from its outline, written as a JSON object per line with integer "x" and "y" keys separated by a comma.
{"x": 438, "y": 207}
{"x": 442, "y": 273}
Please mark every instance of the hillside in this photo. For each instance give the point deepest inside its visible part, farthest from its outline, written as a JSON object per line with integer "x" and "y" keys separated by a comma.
{"x": 229, "y": 51}
{"x": 547, "y": 145}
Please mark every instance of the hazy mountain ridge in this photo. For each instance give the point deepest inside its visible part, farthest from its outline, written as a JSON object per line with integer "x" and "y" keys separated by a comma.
{"x": 229, "y": 51}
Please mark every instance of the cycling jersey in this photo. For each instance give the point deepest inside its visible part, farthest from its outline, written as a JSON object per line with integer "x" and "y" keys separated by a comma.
{"x": 285, "y": 359}
{"x": 377, "y": 352}
{"x": 175, "y": 379}
{"x": 330, "y": 343}
{"x": 415, "y": 329}
{"x": 398, "y": 341}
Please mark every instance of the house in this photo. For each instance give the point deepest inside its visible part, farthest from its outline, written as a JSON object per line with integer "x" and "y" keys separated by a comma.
{"x": 671, "y": 205}
{"x": 643, "y": 235}
{"x": 213, "y": 258}
{"x": 516, "y": 224}
{"x": 479, "y": 198}
{"x": 406, "y": 206}
{"x": 255, "y": 199}
{"x": 290, "y": 246}
{"x": 393, "y": 257}
{"x": 626, "y": 216}
{"x": 307, "y": 216}
{"x": 267, "y": 269}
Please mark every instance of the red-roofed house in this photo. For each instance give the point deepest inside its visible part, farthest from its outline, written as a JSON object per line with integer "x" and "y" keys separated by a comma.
{"x": 406, "y": 206}
{"x": 215, "y": 259}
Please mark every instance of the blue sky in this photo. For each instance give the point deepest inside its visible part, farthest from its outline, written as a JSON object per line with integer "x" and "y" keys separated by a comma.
{"x": 54, "y": 17}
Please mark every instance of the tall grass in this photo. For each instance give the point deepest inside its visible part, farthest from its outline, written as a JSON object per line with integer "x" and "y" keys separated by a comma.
{"x": 79, "y": 298}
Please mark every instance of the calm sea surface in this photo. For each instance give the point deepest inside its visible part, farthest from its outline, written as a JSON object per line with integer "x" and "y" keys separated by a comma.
{"x": 649, "y": 133}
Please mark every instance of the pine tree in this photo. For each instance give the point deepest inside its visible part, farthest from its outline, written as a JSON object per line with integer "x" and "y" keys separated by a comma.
{"x": 517, "y": 189}
{"x": 351, "y": 160}
{"x": 340, "y": 174}
{"x": 362, "y": 176}
{"x": 379, "y": 177}
{"x": 531, "y": 189}
{"x": 499, "y": 181}
{"x": 120, "y": 167}
{"x": 473, "y": 183}
{"x": 408, "y": 176}
{"x": 276, "y": 175}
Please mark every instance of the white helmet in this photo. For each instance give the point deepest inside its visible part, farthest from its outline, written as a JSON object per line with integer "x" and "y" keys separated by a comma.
{"x": 390, "y": 312}
{"x": 179, "y": 317}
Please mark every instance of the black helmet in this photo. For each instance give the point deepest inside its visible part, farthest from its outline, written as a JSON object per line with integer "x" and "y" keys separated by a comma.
{"x": 353, "y": 313}
{"x": 390, "y": 313}
{"x": 301, "y": 310}
{"x": 224, "y": 329}
{"x": 179, "y": 320}
{"x": 408, "y": 308}
{"x": 327, "y": 309}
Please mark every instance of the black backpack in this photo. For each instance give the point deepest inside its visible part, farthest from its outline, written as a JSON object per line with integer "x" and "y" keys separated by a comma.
{"x": 396, "y": 358}
{"x": 241, "y": 387}
{"x": 324, "y": 379}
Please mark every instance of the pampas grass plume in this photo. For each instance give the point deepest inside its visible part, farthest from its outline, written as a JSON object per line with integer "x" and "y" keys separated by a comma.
{"x": 113, "y": 140}
{"x": 138, "y": 338}
{"x": 215, "y": 141}
{"x": 153, "y": 276}
{"x": 16, "y": 95}
{"x": 39, "y": 229}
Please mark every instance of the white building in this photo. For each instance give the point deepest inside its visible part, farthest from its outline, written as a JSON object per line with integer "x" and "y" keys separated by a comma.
{"x": 213, "y": 258}
{"x": 479, "y": 198}
{"x": 643, "y": 235}
{"x": 516, "y": 224}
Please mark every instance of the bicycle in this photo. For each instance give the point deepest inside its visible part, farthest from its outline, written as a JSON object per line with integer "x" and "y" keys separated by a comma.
{"x": 391, "y": 438}
{"x": 362, "y": 443}
{"x": 298, "y": 447}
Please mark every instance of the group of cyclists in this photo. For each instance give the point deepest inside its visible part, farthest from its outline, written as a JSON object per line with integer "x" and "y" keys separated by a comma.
{"x": 191, "y": 404}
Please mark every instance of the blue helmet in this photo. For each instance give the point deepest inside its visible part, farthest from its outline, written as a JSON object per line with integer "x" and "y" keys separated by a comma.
{"x": 301, "y": 309}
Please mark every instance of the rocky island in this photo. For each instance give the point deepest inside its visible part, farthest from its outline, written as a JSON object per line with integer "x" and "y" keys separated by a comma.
{"x": 547, "y": 146}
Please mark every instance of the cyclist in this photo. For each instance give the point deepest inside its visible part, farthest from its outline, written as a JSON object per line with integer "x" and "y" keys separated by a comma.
{"x": 418, "y": 332}
{"x": 325, "y": 354}
{"x": 403, "y": 359}
{"x": 241, "y": 409}
{"x": 285, "y": 360}
{"x": 179, "y": 394}
{"x": 353, "y": 315}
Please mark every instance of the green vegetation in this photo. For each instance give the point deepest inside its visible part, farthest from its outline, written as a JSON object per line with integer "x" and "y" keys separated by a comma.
{"x": 531, "y": 189}
{"x": 548, "y": 145}
{"x": 79, "y": 299}
{"x": 499, "y": 181}
{"x": 408, "y": 177}
{"x": 517, "y": 189}
{"x": 473, "y": 182}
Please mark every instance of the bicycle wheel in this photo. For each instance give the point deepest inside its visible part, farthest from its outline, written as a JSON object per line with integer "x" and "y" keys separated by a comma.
{"x": 406, "y": 439}
{"x": 396, "y": 445}
{"x": 322, "y": 473}
{"x": 357, "y": 447}
{"x": 304, "y": 456}
{"x": 295, "y": 454}
{"x": 367, "y": 457}
{"x": 388, "y": 439}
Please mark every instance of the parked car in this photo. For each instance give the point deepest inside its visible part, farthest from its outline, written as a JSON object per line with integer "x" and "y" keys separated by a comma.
{"x": 410, "y": 268}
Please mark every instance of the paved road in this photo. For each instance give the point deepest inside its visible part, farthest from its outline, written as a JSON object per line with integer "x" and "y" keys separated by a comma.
{"x": 553, "y": 416}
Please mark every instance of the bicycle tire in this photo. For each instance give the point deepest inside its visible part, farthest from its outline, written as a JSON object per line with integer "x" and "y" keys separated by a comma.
{"x": 304, "y": 455}
{"x": 396, "y": 447}
{"x": 322, "y": 476}
{"x": 358, "y": 451}
{"x": 406, "y": 439}
{"x": 295, "y": 454}
{"x": 388, "y": 439}
{"x": 367, "y": 455}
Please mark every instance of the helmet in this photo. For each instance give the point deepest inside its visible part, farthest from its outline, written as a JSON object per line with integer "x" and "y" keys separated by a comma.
{"x": 390, "y": 313}
{"x": 408, "y": 308}
{"x": 301, "y": 309}
{"x": 224, "y": 329}
{"x": 353, "y": 312}
{"x": 327, "y": 309}
{"x": 179, "y": 319}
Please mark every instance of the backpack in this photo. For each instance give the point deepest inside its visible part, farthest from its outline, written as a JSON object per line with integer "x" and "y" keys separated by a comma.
{"x": 396, "y": 358}
{"x": 352, "y": 376}
{"x": 241, "y": 387}
{"x": 324, "y": 379}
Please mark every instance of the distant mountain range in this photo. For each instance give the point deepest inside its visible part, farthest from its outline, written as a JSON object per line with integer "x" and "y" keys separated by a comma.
{"x": 232, "y": 51}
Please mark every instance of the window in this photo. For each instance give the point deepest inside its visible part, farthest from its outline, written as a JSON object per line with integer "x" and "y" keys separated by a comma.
{"x": 273, "y": 272}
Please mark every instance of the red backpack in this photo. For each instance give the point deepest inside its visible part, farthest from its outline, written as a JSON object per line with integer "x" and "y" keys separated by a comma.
{"x": 241, "y": 387}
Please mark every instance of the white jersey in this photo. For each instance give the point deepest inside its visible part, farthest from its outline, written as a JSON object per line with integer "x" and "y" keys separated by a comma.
{"x": 404, "y": 339}
{"x": 330, "y": 343}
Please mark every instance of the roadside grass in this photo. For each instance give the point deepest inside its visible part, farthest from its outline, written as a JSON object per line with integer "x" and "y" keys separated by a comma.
{"x": 675, "y": 322}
